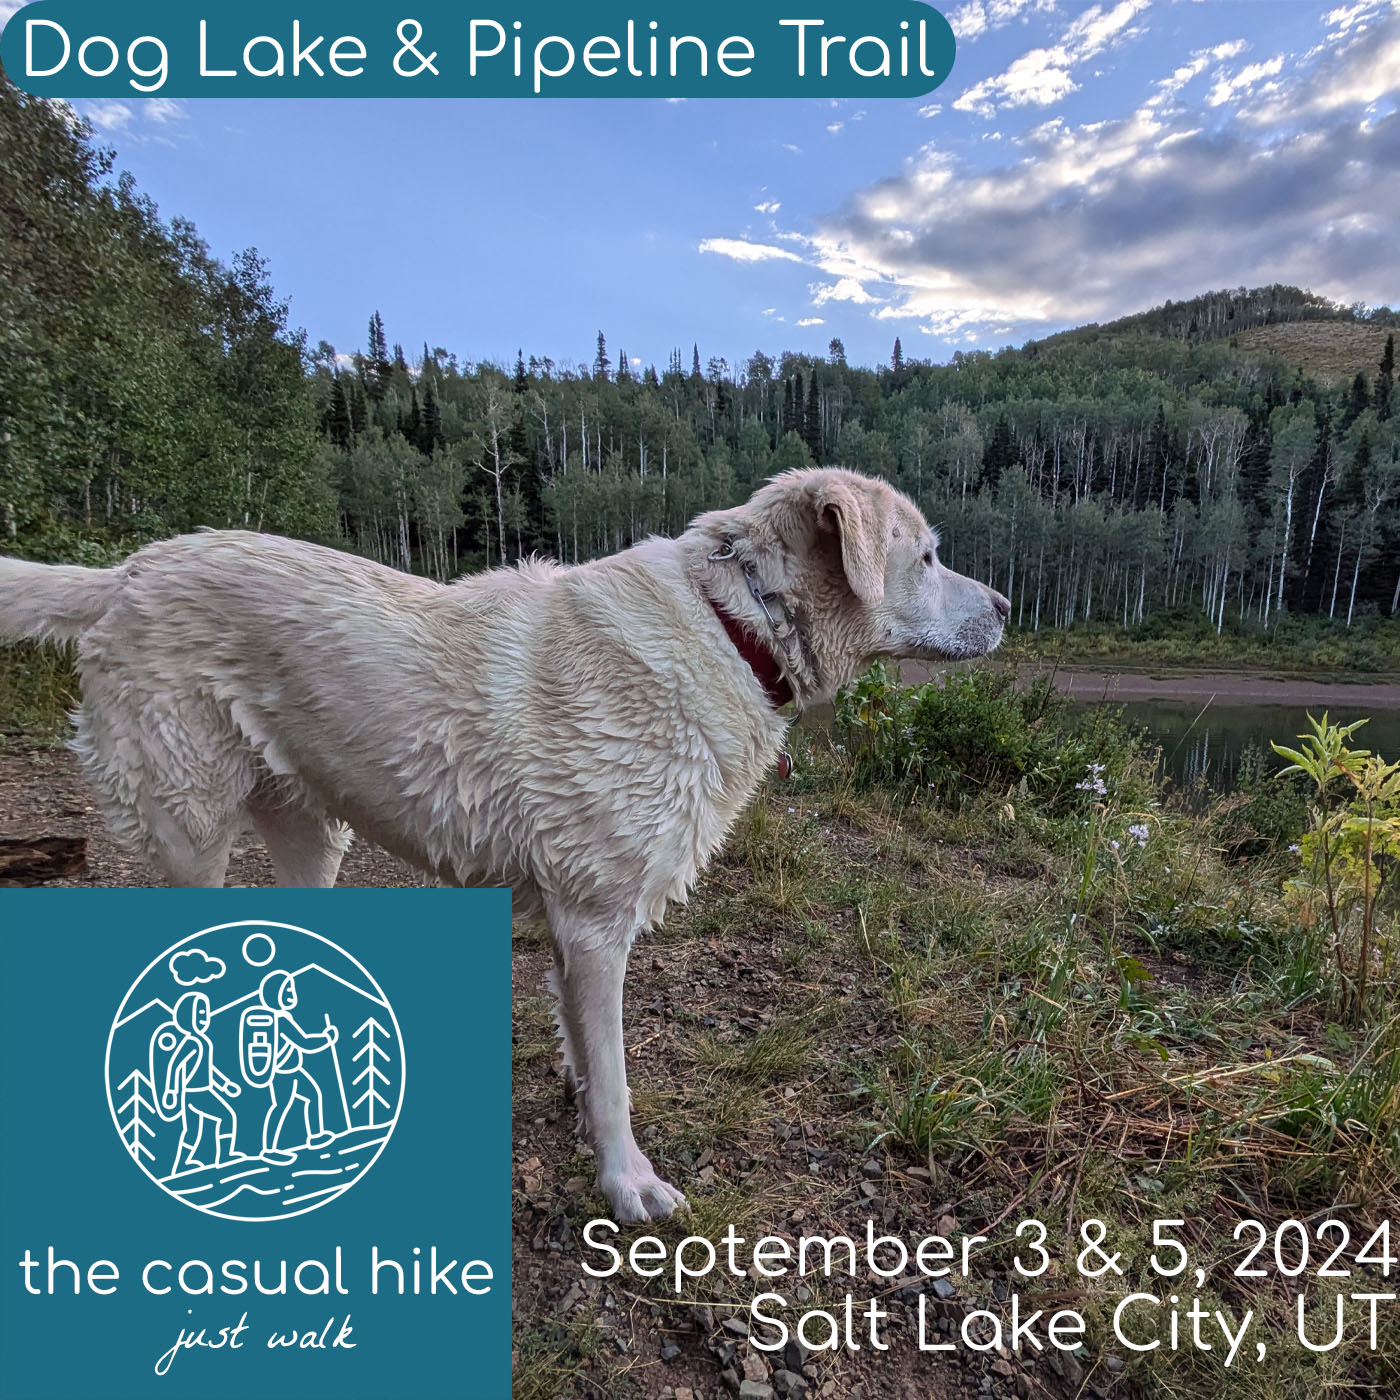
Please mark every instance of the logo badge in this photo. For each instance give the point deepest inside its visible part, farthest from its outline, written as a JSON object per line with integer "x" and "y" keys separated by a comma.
{"x": 255, "y": 1071}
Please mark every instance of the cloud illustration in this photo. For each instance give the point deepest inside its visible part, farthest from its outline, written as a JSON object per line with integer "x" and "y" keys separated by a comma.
{"x": 194, "y": 966}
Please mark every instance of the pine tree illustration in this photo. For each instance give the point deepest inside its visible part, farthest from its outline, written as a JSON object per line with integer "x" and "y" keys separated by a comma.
{"x": 372, "y": 1074}
{"x": 142, "y": 1096}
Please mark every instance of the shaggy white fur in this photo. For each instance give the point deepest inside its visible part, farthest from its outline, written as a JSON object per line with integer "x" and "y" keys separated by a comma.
{"x": 585, "y": 735}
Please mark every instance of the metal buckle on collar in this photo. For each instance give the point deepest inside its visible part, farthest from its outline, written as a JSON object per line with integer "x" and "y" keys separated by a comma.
{"x": 783, "y": 628}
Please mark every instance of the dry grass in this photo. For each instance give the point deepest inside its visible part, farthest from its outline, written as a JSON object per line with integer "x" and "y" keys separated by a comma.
{"x": 1331, "y": 351}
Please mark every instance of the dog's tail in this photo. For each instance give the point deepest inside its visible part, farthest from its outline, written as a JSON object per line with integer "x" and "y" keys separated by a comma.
{"x": 55, "y": 602}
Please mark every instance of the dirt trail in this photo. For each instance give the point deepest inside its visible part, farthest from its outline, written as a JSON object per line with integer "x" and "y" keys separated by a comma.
{"x": 1221, "y": 687}
{"x": 42, "y": 793}
{"x": 1228, "y": 689}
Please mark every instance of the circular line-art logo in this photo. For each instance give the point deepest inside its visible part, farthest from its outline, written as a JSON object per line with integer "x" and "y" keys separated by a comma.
{"x": 255, "y": 1071}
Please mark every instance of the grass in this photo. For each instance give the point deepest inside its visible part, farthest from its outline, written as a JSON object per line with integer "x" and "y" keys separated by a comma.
{"x": 960, "y": 979}
{"x": 38, "y": 687}
{"x": 1015, "y": 1026}
{"x": 1310, "y": 647}
{"x": 1331, "y": 351}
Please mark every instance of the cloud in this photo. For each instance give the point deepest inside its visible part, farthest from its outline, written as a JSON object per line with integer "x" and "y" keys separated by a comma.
{"x": 742, "y": 250}
{"x": 1296, "y": 180}
{"x": 1359, "y": 74}
{"x": 7, "y": 8}
{"x": 108, "y": 116}
{"x": 931, "y": 110}
{"x": 141, "y": 120}
{"x": 812, "y": 321}
{"x": 1045, "y": 75}
{"x": 1348, "y": 17}
{"x": 847, "y": 289}
{"x": 769, "y": 206}
{"x": 1200, "y": 60}
{"x": 1230, "y": 86}
{"x": 978, "y": 17}
{"x": 1099, "y": 27}
{"x": 1038, "y": 78}
{"x": 834, "y": 127}
{"x": 194, "y": 966}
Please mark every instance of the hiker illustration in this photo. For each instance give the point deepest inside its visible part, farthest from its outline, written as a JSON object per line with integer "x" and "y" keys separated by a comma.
{"x": 270, "y": 1049}
{"x": 190, "y": 1087}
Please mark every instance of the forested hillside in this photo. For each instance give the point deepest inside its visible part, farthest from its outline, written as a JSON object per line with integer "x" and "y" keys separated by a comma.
{"x": 1105, "y": 474}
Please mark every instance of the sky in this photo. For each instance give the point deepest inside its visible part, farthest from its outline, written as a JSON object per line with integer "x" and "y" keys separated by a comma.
{"x": 1081, "y": 162}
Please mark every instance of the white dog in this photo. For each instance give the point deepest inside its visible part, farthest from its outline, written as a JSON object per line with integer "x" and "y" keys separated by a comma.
{"x": 585, "y": 735}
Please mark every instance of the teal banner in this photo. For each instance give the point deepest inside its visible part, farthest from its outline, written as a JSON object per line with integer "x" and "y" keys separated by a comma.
{"x": 257, "y": 1144}
{"x": 437, "y": 48}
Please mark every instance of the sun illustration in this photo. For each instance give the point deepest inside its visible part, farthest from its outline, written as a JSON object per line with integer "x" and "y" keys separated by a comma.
{"x": 258, "y": 950}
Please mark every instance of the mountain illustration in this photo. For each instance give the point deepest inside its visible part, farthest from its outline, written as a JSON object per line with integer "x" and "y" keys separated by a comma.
{"x": 360, "y": 1080}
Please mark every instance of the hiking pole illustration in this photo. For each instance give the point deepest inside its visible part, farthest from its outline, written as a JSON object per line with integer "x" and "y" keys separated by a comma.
{"x": 339, "y": 1079}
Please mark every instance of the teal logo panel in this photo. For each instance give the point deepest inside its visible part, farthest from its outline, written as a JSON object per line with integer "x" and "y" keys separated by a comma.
{"x": 257, "y": 1143}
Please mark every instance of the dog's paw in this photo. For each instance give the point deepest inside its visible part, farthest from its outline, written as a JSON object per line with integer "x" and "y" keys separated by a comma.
{"x": 637, "y": 1194}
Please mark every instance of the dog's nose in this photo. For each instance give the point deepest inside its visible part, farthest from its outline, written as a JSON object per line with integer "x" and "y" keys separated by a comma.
{"x": 1002, "y": 605}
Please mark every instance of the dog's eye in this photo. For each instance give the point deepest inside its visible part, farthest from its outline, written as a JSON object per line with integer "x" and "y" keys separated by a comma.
{"x": 928, "y": 558}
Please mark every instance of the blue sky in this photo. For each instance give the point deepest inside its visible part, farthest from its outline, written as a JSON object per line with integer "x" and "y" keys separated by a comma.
{"x": 1080, "y": 163}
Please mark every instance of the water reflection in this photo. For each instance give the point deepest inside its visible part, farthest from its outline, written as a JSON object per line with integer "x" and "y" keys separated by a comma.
{"x": 1214, "y": 744}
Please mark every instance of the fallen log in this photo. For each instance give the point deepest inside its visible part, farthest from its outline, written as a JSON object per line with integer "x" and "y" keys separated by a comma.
{"x": 39, "y": 859}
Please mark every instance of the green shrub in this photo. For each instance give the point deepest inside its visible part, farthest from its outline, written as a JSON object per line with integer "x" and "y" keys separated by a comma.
{"x": 975, "y": 731}
{"x": 1275, "y": 811}
{"x": 38, "y": 687}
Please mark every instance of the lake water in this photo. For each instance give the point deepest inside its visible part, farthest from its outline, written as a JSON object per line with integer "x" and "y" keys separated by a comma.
{"x": 1205, "y": 725}
{"x": 1209, "y": 744}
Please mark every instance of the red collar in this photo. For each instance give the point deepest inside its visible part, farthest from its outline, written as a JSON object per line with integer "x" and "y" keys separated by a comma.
{"x": 760, "y": 659}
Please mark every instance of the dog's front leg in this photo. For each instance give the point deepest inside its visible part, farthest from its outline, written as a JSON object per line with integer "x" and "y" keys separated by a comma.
{"x": 594, "y": 963}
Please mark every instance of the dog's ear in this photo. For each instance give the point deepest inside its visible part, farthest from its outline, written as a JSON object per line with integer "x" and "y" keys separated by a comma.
{"x": 860, "y": 527}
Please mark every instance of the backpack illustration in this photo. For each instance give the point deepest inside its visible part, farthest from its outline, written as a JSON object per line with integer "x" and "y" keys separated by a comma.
{"x": 165, "y": 1045}
{"x": 258, "y": 1046}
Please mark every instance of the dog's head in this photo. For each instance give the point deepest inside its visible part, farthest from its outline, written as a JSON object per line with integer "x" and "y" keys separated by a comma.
{"x": 858, "y": 565}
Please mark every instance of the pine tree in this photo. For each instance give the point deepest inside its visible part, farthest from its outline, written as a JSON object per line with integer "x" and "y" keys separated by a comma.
{"x": 1158, "y": 455}
{"x": 1385, "y": 380}
{"x": 649, "y": 377}
{"x": 812, "y": 420}
{"x": 601, "y": 363}
{"x": 624, "y": 370}
{"x": 1357, "y": 401}
{"x": 532, "y": 533}
{"x": 411, "y": 425}
{"x": 340, "y": 429}
{"x": 897, "y": 358}
{"x": 378, "y": 368}
{"x": 695, "y": 363}
{"x": 359, "y": 407}
{"x": 1000, "y": 452}
{"x": 430, "y": 437}
{"x": 836, "y": 351}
